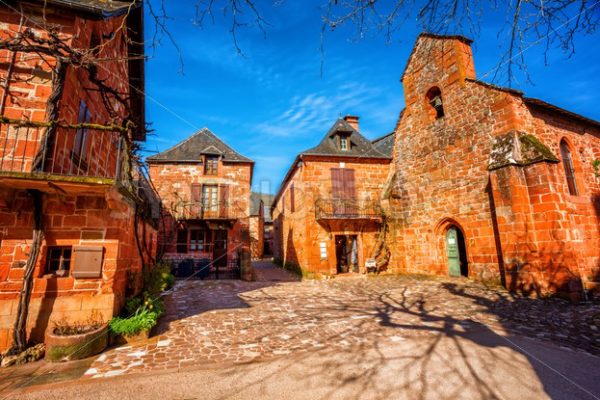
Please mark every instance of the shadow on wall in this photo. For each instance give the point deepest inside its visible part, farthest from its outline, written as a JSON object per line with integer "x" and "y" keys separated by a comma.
{"x": 42, "y": 322}
{"x": 291, "y": 261}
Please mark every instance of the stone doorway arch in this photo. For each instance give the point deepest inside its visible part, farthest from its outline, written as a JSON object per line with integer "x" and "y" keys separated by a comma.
{"x": 455, "y": 248}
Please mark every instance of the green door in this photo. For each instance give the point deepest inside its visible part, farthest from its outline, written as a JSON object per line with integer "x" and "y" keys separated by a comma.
{"x": 452, "y": 252}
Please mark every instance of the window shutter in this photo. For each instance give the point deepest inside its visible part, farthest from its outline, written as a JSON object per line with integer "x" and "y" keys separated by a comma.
{"x": 224, "y": 201}
{"x": 349, "y": 186}
{"x": 292, "y": 199}
{"x": 196, "y": 192}
{"x": 337, "y": 188}
{"x": 88, "y": 261}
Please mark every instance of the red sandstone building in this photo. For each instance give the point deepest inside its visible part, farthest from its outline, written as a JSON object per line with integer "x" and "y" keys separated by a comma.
{"x": 204, "y": 186}
{"x": 257, "y": 226}
{"x": 326, "y": 215}
{"x": 64, "y": 151}
{"x": 489, "y": 183}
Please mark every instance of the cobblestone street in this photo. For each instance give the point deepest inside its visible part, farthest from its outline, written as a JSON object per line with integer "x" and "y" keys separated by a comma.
{"x": 210, "y": 322}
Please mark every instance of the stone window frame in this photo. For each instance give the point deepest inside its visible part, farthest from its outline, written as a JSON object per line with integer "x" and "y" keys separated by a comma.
{"x": 211, "y": 165}
{"x": 570, "y": 167}
{"x": 435, "y": 113}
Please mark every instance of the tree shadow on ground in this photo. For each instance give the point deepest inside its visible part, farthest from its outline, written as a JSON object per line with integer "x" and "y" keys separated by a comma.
{"x": 477, "y": 350}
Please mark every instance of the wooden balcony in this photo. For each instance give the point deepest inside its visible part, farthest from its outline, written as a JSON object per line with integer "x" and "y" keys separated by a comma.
{"x": 347, "y": 209}
{"x": 201, "y": 211}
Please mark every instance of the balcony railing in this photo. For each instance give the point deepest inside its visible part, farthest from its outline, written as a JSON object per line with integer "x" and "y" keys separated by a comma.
{"x": 84, "y": 150}
{"x": 347, "y": 209}
{"x": 199, "y": 210}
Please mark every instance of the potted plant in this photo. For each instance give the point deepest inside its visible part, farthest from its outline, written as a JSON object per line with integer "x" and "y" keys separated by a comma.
{"x": 137, "y": 326}
{"x": 66, "y": 341}
{"x": 141, "y": 313}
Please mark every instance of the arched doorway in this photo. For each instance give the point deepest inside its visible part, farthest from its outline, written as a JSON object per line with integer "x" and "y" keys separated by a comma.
{"x": 456, "y": 251}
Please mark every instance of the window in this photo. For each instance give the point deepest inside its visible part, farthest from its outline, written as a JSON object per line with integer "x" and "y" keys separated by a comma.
{"x": 58, "y": 260}
{"x": 567, "y": 160}
{"x": 210, "y": 196}
{"x": 81, "y": 134}
{"x": 434, "y": 98}
{"x": 344, "y": 143}
{"x": 210, "y": 165}
{"x": 196, "y": 239}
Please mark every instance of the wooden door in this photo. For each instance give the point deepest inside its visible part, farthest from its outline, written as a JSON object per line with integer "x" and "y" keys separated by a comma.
{"x": 452, "y": 251}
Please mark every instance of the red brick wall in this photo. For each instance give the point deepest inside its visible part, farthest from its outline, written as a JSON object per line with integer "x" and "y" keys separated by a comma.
{"x": 81, "y": 212}
{"x": 69, "y": 220}
{"x": 31, "y": 85}
{"x": 513, "y": 216}
{"x": 257, "y": 239}
{"x": 297, "y": 234}
{"x": 173, "y": 183}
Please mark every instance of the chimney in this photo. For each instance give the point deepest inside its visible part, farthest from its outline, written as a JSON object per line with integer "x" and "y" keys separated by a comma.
{"x": 352, "y": 120}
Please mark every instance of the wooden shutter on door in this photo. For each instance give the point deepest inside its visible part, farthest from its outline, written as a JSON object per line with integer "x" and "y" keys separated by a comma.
{"x": 224, "y": 201}
{"x": 337, "y": 179}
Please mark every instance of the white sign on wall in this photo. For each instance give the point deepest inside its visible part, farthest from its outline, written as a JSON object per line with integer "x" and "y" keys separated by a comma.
{"x": 323, "y": 249}
{"x": 371, "y": 263}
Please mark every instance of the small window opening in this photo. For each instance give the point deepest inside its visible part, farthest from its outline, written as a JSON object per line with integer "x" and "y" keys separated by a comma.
{"x": 567, "y": 160}
{"x": 58, "y": 261}
{"x": 434, "y": 97}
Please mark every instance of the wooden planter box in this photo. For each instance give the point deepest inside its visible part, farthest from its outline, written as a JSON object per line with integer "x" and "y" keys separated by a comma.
{"x": 75, "y": 347}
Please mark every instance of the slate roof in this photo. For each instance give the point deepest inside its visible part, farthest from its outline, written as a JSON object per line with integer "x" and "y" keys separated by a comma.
{"x": 552, "y": 108}
{"x": 103, "y": 8}
{"x": 360, "y": 146}
{"x": 267, "y": 200}
{"x": 192, "y": 148}
{"x": 385, "y": 144}
{"x": 255, "y": 204}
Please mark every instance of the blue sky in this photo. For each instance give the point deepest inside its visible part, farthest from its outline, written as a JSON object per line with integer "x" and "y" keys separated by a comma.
{"x": 273, "y": 101}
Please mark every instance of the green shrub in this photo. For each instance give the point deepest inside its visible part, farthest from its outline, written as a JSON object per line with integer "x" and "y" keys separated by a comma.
{"x": 159, "y": 278}
{"x": 278, "y": 261}
{"x": 142, "y": 314}
{"x": 143, "y": 320}
{"x": 132, "y": 305}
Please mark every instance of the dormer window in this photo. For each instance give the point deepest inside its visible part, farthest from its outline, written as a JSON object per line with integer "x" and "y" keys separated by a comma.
{"x": 210, "y": 165}
{"x": 436, "y": 104}
{"x": 344, "y": 143}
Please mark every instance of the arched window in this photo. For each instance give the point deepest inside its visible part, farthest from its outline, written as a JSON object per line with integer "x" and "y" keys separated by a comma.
{"x": 434, "y": 99}
{"x": 567, "y": 159}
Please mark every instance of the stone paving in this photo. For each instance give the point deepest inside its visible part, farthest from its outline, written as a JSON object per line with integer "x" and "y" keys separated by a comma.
{"x": 210, "y": 322}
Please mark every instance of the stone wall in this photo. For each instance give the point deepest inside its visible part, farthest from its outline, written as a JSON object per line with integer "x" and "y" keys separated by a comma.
{"x": 297, "y": 235}
{"x": 173, "y": 182}
{"x": 78, "y": 210}
{"x": 520, "y": 215}
{"x": 257, "y": 236}
{"x": 69, "y": 220}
